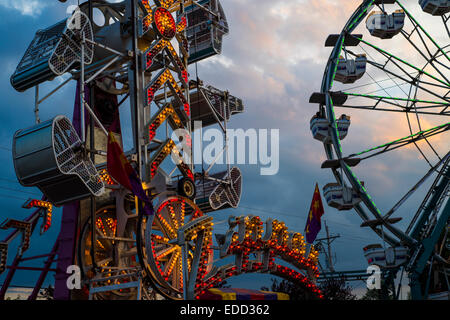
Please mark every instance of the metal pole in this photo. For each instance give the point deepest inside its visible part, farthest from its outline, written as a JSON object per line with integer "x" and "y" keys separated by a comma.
{"x": 44, "y": 273}
{"x": 36, "y": 105}
{"x": 92, "y": 154}
{"x": 225, "y": 120}
{"x": 10, "y": 275}
{"x": 83, "y": 125}
{"x": 91, "y": 112}
{"x": 330, "y": 263}
{"x": 54, "y": 90}
{"x": 135, "y": 65}
{"x": 184, "y": 261}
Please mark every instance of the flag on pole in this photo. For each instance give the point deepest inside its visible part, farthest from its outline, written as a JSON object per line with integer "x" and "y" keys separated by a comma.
{"x": 121, "y": 170}
{"x": 316, "y": 211}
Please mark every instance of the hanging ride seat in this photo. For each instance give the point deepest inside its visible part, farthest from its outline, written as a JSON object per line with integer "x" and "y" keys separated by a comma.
{"x": 213, "y": 195}
{"x": 392, "y": 257}
{"x": 53, "y": 52}
{"x": 211, "y": 105}
{"x": 435, "y": 7}
{"x": 207, "y": 24}
{"x": 349, "y": 70}
{"x": 50, "y": 156}
{"x": 385, "y": 26}
{"x": 340, "y": 197}
{"x": 320, "y": 127}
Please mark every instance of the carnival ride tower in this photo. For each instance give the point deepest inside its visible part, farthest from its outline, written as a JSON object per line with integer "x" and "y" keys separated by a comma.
{"x": 137, "y": 53}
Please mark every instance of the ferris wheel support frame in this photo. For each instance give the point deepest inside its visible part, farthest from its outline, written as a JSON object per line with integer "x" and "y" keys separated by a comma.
{"x": 327, "y": 83}
{"x": 421, "y": 247}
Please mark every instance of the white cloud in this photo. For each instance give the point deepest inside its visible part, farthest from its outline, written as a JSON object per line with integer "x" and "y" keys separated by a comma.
{"x": 226, "y": 62}
{"x": 25, "y": 7}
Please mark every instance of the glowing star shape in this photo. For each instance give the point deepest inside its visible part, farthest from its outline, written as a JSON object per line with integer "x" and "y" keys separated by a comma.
{"x": 164, "y": 23}
{"x": 106, "y": 178}
{"x": 162, "y": 19}
{"x": 165, "y": 26}
{"x": 148, "y": 19}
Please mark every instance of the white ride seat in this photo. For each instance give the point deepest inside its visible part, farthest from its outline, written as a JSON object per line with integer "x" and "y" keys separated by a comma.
{"x": 435, "y": 7}
{"x": 349, "y": 70}
{"x": 385, "y": 26}
{"x": 392, "y": 257}
{"x": 340, "y": 197}
{"x": 320, "y": 127}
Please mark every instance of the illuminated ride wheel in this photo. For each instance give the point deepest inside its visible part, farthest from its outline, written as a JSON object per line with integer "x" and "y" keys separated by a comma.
{"x": 160, "y": 258}
{"x": 389, "y": 63}
{"x": 112, "y": 256}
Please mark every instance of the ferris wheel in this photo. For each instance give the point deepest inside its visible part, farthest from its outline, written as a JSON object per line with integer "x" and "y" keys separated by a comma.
{"x": 390, "y": 68}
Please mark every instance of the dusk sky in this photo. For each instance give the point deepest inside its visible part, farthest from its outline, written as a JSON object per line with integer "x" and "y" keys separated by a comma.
{"x": 273, "y": 59}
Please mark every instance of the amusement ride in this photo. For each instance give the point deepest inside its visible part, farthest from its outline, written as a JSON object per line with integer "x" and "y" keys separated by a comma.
{"x": 391, "y": 60}
{"x": 138, "y": 56}
{"x": 137, "y": 53}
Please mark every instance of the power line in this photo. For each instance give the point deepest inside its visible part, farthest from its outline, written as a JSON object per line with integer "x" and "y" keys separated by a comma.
{"x": 289, "y": 215}
{"x": 354, "y": 237}
{"x": 12, "y": 197}
{"x": 21, "y": 191}
{"x": 9, "y": 180}
{"x": 19, "y": 286}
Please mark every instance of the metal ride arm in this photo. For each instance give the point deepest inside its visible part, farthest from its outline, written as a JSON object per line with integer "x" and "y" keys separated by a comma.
{"x": 26, "y": 228}
{"x": 137, "y": 283}
{"x": 428, "y": 229}
{"x": 428, "y": 224}
{"x": 199, "y": 231}
{"x": 429, "y": 204}
{"x": 138, "y": 25}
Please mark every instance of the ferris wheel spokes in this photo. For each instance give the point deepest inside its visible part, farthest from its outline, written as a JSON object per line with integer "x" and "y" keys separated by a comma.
{"x": 408, "y": 89}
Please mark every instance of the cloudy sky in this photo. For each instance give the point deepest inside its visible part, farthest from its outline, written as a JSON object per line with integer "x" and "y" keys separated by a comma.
{"x": 273, "y": 59}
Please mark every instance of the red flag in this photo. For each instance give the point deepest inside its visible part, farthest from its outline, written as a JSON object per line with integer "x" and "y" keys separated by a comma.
{"x": 117, "y": 164}
{"x": 316, "y": 211}
{"x": 121, "y": 170}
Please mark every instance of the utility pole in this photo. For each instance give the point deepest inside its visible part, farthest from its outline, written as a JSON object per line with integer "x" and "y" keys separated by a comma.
{"x": 330, "y": 261}
{"x": 327, "y": 252}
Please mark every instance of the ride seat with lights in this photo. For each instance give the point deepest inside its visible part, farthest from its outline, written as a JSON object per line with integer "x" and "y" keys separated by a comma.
{"x": 212, "y": 195}
{"x": 210, "y": 105}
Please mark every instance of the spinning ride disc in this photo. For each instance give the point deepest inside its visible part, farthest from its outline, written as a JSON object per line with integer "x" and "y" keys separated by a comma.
{"x": 112, "y": 253}
{"x": 161, "y": 259}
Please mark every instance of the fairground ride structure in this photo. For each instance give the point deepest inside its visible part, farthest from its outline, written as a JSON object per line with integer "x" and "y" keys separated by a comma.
{"x": 397, "y": 52}
{"x": 137, "y": 52}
